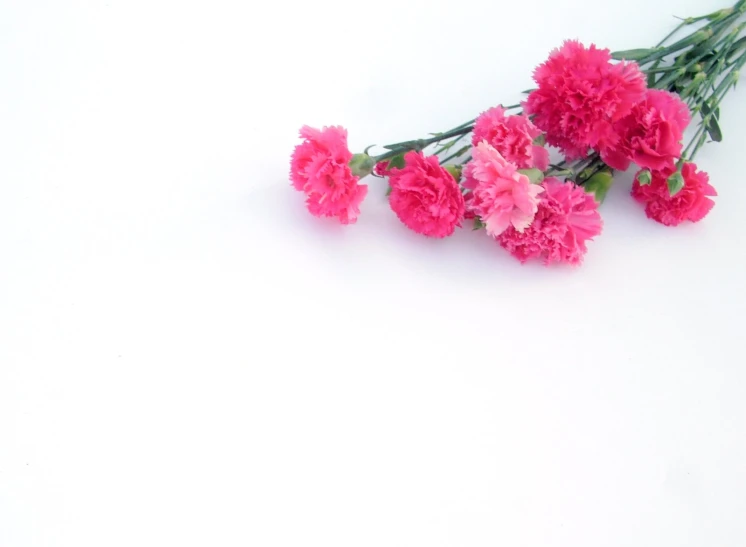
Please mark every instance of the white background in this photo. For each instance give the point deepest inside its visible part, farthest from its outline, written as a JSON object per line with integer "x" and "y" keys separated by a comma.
{"x": 189, "y": 358}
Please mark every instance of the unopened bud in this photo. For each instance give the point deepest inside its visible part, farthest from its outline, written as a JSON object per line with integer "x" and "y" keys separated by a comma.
{"x": 675, "y": 183}
{"x": 362, "y": 165}
{"x": 644, "y": 177}
{"x": 455, "y": 171}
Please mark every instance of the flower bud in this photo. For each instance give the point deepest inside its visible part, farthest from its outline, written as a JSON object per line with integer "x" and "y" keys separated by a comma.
{"x": 362, "y": 165}
{"x": 720, "y": 14}
{"x": 675, "y": 183}
{"x": 454, "y": 170}
{"x": 644, "y": 177}
{"x": 599, "y": 184}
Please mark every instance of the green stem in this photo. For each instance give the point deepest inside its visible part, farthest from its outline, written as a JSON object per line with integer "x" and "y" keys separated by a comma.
{"x": 459, "y": 152}
{"x": 674, "y": 31}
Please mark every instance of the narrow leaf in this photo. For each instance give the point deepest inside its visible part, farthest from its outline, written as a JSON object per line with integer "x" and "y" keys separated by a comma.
{"x": 478, "y": 224}
{"x": 632, "y": 54}
{"x": 713, "y": 128}
{"x": 397, "y": 162}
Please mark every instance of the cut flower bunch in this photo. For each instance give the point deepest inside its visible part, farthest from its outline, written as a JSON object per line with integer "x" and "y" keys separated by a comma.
{"x": 601, "y": 111}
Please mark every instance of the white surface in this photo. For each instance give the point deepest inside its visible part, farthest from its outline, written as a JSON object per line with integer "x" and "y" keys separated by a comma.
{"x": 188, "y": 358}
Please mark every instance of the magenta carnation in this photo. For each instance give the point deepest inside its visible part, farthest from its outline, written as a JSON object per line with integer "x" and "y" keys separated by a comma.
{"x": 426, "y": 197}
{"x": 651, "y": 134}
{"x": 581, "y": 95}
{"x": 567, "y": 217}
{"x": 691, "y": 203}
{"x": 320, "y": 167}
{"x": 513, "y": 137}
{"x": 501, "y": 196}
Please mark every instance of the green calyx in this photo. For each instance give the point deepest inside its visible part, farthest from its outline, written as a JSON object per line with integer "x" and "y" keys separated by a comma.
{"x": 675, "y": 183}
{"x": 644, "y": 177}
{"x": 599, "y": 184}
{"x": 362, "y": 165}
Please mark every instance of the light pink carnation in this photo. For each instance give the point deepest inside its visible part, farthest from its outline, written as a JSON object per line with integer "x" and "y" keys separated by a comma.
{"x": 501, "y": 196}
{"x": 581, "y": 95}
{"x": 513, "y": 137}
{"x": 320, "y": 167}
{"x": 651, "y": 134}
{"x": 426, "y": 197}
{"x": 567, "y": 217}
{"x": 691, "y": 203}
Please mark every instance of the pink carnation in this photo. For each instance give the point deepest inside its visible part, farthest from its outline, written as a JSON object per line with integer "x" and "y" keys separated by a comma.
{"x": 501, "y": 196}
{"x": 320, "y": 167}
{"x": 581, "y": 94}
{"x": 567, "y": 217}
{"x": 513, "y": 137}
{"x": 690, "y": 203}
{"x": 425, "y": 197}
{"x": 651, "y": 134}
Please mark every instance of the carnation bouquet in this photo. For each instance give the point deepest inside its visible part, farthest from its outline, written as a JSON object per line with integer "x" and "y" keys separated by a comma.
{"x": 532, "y": 175}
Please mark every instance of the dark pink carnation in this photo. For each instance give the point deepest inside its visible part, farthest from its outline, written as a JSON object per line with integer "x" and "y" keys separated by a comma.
{"x": 567, "y": 217}
{"x": 581, "y": 95}
{"x": 690, "y": 203}
{"x": 513, "y": 137}
{"x": 320, "y": 167}
{"x": 426, "y": 197}
{"x": 651, "y": 134}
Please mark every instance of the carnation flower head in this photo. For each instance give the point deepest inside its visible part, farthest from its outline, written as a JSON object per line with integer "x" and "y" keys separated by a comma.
{"x": 500, "y": 195}
{"x": 580, "y": 96}
{"x": 566, "y": 219}
{"x": 651, "y": 134}
{"x": 320, "y": 167}
{"x": 691, "y": 203}
{"x": 426, "y": 197}
{"x": 513, "y": 137}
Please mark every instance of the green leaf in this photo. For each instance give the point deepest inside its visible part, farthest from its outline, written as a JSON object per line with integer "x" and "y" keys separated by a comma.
{"x": 713, "y": 128}
{"x": 644, "y": 177}
{"x": 651, "y": 80}
{"x": 633, "y": 54}
{"x": 478, "y": 224}
{"x": 527, "y": 91}
{"x": 388, "y": 191}
{"x": 737, "y": 46}
{"x": 541, "y": 140}
{"x": 463, "y": 150}
{"x": 397, "y": 162}
{"x": 599, "y": 185}
{"x": 675, "y": 183}
{"x": 536, "y": 176}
